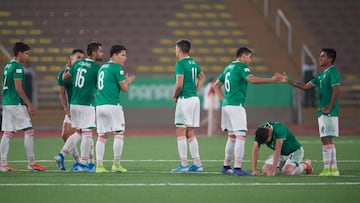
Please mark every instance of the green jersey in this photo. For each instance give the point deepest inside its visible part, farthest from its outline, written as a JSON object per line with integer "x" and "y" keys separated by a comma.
{"x": 12, "y": 71}
{"x": 190, "y": 69}
{"x": 84, "y": 78}
{"x": 324, "y": 83}
{"x": 235, "y": 83}
{"x": 66, "y": 84}
{"x": 280, "y": 131}
{"x": 109, "y": 76}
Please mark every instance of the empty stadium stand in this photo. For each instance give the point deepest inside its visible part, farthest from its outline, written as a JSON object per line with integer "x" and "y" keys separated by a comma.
{"x": 149, "y": 29}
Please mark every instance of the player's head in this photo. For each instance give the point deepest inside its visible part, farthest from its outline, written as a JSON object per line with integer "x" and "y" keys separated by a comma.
{"x": 327, "y": 57}
{"x": 118, "y": 54}
{"x": 262, "y": 135}
{"x": 243, "y": 54}
{"x": 76, "y": 55}
{"x": 94, "y": 51}
{"x": 21, "y": 51}
{"x": 183, "y": 46}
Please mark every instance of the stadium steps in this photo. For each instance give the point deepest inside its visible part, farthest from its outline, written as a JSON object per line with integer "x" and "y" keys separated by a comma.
{"x": 214, "y": 34}
{"x": 339, "y": 29}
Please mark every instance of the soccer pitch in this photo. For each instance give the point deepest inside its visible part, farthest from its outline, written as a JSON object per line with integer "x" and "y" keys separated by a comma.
{"x": 149, "y": 161}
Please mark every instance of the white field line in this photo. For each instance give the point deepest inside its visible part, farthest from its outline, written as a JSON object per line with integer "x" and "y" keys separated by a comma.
{"x": 168, "y": 172}
{"x": 171, "y": 160}
{"x": 171, "y": 184}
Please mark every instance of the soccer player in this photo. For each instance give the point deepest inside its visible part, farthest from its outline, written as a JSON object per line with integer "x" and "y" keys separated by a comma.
{"x": 189, "y": 78}
{"x": 17, "y": 109}
{"x": 235, "y": 78}
{"x": 327, "y": 83}
{"x": 288, "y": 152}
{"x": 82, "y": 106}
{"x": 109, "y": 113}
{"x": 65, "y": 96}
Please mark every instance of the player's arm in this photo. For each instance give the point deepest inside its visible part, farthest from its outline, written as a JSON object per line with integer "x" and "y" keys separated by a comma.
{"x": 66, "y": 76}
{"x": 201, "y": 78}
{"x": 20, "y": 91}
{"x": 124, "y": 85}
{"x": 63, "y": 99}
{"x": 217, "y": 87}
{"x": 297, "y": 84}
{"x": 276, "y": 157}
{"x": 255, "y": 158}
{"x": 259, "y": 80}
{"x": 178, "y": 86}
{"x": 334, "y": 96}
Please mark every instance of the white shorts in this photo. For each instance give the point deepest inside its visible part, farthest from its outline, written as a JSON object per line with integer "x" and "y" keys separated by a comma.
{"x": 67, "y": 119}
{"x": 82, "y": 117}
{"x": 15, "y": 117}
{"x": 187, "y": 113}
{"x": 233, "y": 120}
{"x": 328, "y": 126}
{"x": 110, "y": 118}
{"x": 294, "y": 158}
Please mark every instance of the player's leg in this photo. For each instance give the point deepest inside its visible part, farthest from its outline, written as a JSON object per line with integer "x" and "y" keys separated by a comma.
{"x": 192, "y": 118}
{"x": 100, "y": 150}
{"x": 72, "y": 140}
{"x": 66, "y": 132}
{"x": 23, "y": 122}
{"x": 294, "y": 164}
{"x": 238, "y": 128}
{"x": 8, "y": 128}
{"x": 118, "y": 123}
{"x": 4, "y": 150}
{"x": 266, "y": 169}
{"x": 103, "y": 131}
{"x": 329, "y": 128}
{"x": 181, "y": 136}
{"x": 230, "y": 144}
{"x": 229, "y": 154}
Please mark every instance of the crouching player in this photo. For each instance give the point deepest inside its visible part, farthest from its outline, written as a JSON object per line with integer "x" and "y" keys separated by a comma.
{"x": 288, "y": 152}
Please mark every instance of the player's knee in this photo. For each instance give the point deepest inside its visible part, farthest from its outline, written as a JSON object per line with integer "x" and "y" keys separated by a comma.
{"x": 266, "y": 168}
{"x": 288, "y": 169}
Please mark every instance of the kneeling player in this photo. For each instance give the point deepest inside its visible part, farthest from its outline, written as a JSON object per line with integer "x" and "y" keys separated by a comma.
{"x": 288, "y": 152}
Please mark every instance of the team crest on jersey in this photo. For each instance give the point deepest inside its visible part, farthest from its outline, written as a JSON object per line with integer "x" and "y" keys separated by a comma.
{"x": 18, "y": 70}
{"x": 246, "y": 69}
{"x": 121, "y": 72}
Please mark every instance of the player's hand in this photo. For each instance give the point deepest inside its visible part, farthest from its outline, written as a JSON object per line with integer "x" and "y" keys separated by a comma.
{"x": 255, "y": 173}
{"x": 31, "y": 110}
{"x": 68, "y": 63}
{"x": 129, "y": 79}
{"x": 284, "y": 77}
{"x": 325, "y": 111}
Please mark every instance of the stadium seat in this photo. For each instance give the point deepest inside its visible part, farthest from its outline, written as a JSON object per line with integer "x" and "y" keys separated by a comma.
{"x": 204, "y": 7}
{"x": 5, "y": 13}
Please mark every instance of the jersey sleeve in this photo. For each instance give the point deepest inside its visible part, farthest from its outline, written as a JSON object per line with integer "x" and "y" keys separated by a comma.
{"x": 18, "y": 72}
{"x": 334, "y": 77}
{"x": 280, "y": 131}
{"x": 60, "y": 82}
{"x": 119, "y": 74}
{"x": 179, "y": 69}
{"x": 245, "y": 71}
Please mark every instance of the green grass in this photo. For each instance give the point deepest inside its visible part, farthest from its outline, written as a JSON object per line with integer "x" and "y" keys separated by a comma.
{"x": 149, "y": 161}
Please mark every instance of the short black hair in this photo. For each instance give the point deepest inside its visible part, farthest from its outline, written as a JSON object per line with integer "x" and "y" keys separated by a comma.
{"x": 115, "y": 49}
{"x": 184, "y": 45}
{"x": 261, "y": 135}
{"x": 331, "y": 53}
{"x": 242, "y": 50}
{"x": 94, "y": 46}
{"x": 20, "y": 47}
{"x": 74, "y": 51}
